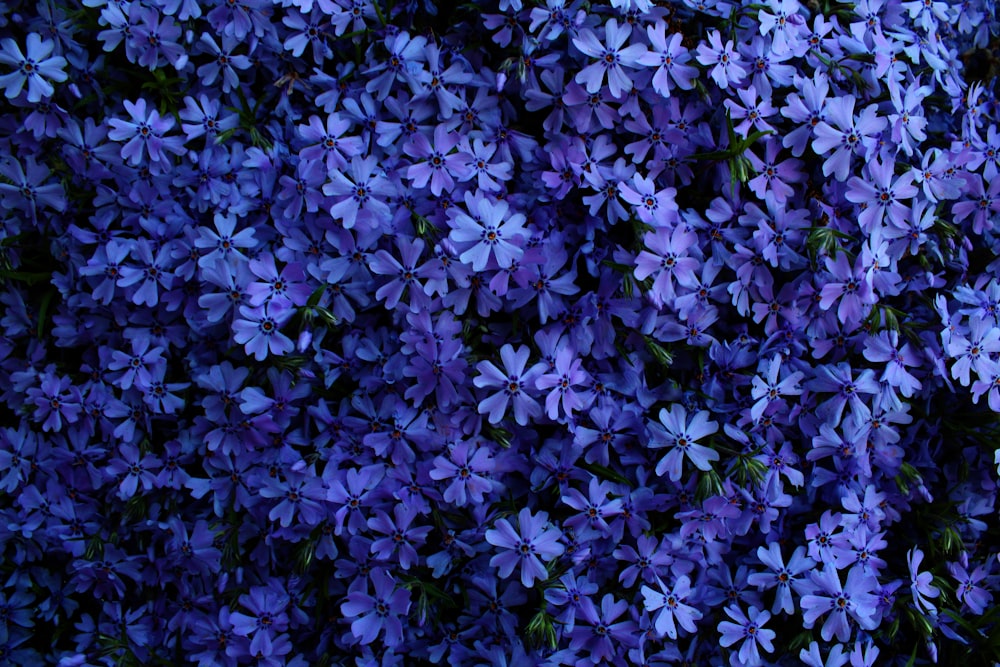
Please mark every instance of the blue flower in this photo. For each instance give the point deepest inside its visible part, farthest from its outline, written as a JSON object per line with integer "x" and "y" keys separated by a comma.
{"x": 672, "y": 605}
{"x": 853, "y": 599}
{"x": 679, "y": 433}
{"x": 37, "y": 68}
{"x": 749, "y": 629}
{"x": 28, "y": 188}
{"x": 493, "y": 232}
{"x": 611, "y": 57}
{"x": 534, "y": 541}
{"x": 144, "y": 135}
{"x": 377, "y": 612}
{"x": 258, "y": 329}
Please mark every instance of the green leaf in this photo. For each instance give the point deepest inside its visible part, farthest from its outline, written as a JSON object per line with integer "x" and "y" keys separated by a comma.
{"x": 328, "y": 318}
{"x": 660, "y": 353}
{"x": 28, "y": 277}
{"x": 43, "y": 310}
{"x": 315, "y": 297}
{"x": 751, "y": 139}
{"x": 605, "y": 473}
{"x": 800, "y": 641}
{"x": 225, "y": 136}
{"x": 305, "y": 556}
{"x": 95, "y": 549}
{"x": 499, "y": 436}
{"x": 541, "y": 631}
{"x": 628, "y": 287}
{"x": 709, "y": 485}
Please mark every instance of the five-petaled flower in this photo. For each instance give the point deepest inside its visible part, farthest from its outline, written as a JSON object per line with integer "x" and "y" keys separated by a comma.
{"x": 36, "y": 67}
{"x": 534, "y": 542}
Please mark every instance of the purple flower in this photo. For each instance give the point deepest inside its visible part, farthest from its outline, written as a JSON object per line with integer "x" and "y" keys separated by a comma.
{"x": 327, "y": 144}
{"x": 908, "y": 124}
{"x": 865, "y": 511}
{"x": 404, "y": 53}
{"x": 655, "y": 206}
{"x": 132, "y": 469}
{"x": 362, "y": 192}
{"x": 439, "y": 164}
{"x": 299, "y": 493}
{"x": 973, "y": 349}
{"x": 667, "y": 260}
{"x": 981, "y": 203}
{"x": 158, "y": 40}
{"x": 765, "y": 393}
{"x": 853, "y": 599}
{"x": 350, "y": 494}
{"x": 226, "y": 247}
{"x": 601, "y": 634}
{"x": 28, "y": 188}
{"x": 813, "y": 658}
{"x": 808, "y": 111}
{"x": 920, "y": 583}
{"x": 55, "y": 400}
{"x": 150, "y": 275}
{"x": 727, "y": 66}
{"x": 266, "y": 618}
{"x": 161, "y": 396}
{"x": 749, "y": 629}
{"x": 860, "y": 549}
{"x": 258, "y": 329}
{"x": 968, "y": 590}
{"x": 594, "y": 509}
{"x": 145, "y": 134}
{"x": 514, "y": 384}
{"x": 379, "y": 611}
{"x": 533, "y": 542}
{"x": 881, "y": 195}
{"x": 849, "y": 286}
{"x": 669, "y": 58}
{"x": 225, "y": 62}
{"x": 611, "y": 58}
{"x": 469, "y": 472}
{"x": 193, "y": 550}
{"x": 491, "y": 230}
{"x": 400, "y": 535}
{"x": 574, "y": 595}
{"x": 846, "y": 389}
{"x": 846, "y": 135}
{"x": 405, "y": 273}
{"x": 645, "y": 560}
{"x": 681, "y": 435}
{"x": 36, "y": 68}
{"x": 774, "y": 177}
{"x": 284, "y": 289}
{"x": 566, "y": 375}
{"x": 882, "y": 349}
{"x": 783, "y": 578}
{"x": 671, "y": 603}
{"x": 141, "y": 366}
{"x": 752, "y": 113}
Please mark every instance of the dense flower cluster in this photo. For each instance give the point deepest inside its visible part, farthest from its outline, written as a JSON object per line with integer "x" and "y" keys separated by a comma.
{"x": 507, "y": 332}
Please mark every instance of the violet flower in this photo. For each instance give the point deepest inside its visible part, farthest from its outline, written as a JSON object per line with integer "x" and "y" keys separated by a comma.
{"x": 681, "y": 434}
{"x": 851, "y": 599}
{"x": 36, "y": 67}
{"x": 749, "y": 629}
{"x": 920, "y": 583}
{"x": 377, "y": 612}
{"x": 533, "y": 542}
{"x": 514, "y": 384}
{"x": 672, "y": 606}
{"x": 611, "y": 58}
